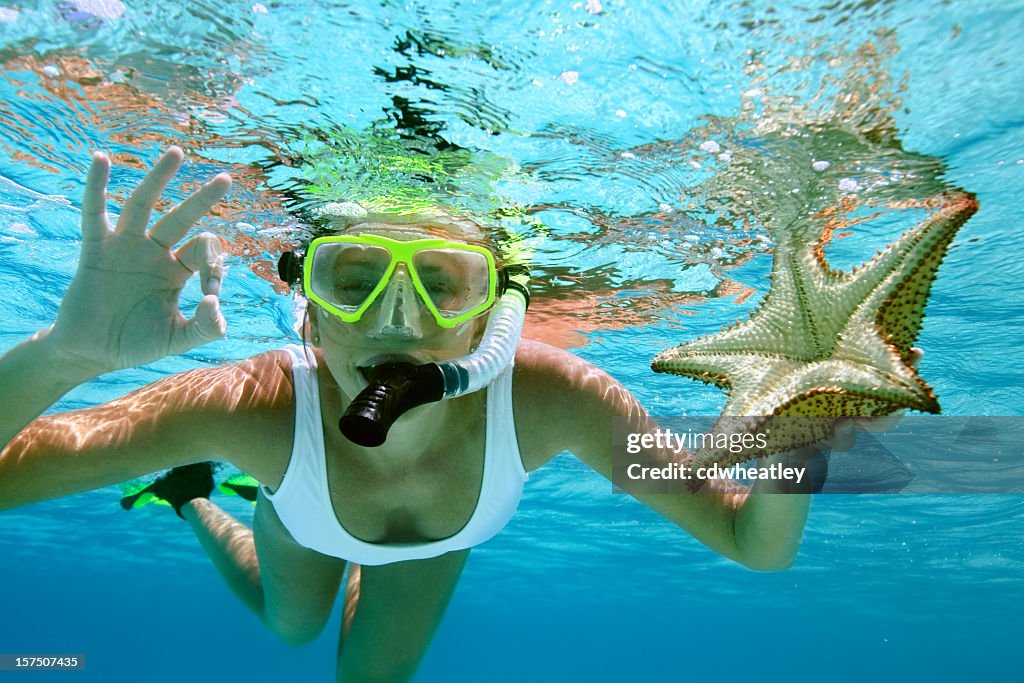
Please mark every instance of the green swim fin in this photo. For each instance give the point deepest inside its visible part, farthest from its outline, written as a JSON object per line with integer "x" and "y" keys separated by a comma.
{"x": 137, "y": 493}
{"x": 175, "y": 487}
{"x": 241, "y": 485}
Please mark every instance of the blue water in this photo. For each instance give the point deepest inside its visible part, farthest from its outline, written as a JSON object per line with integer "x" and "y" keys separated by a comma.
{"x": 596, "y": 126}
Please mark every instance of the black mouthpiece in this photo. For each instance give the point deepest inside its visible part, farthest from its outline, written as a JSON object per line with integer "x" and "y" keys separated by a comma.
{"x": 395, "y": 389}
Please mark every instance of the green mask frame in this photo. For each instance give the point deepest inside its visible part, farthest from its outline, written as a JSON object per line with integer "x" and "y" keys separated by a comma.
{"x": 455, "y": 281}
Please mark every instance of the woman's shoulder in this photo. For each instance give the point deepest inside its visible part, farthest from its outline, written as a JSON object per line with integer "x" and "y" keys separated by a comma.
{"x": 259, "y": 381}
{"x": 252, "y": 400}
{"x": 552, "y": 388}
{"x": 542, "y": 358}
{"x": 543, "y": 368}
{"x": 549, "y": 380}
{"x": 270, "y": 370}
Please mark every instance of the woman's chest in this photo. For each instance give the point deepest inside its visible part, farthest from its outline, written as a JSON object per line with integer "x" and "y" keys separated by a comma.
{"x": 417, "y": 508}
{"x": 426, "y": 496}
{"x": 431, "y": 501}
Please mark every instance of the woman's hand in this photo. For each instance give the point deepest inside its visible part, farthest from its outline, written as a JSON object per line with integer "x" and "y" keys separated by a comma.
{"x": 845, "y": 435}
{"x": 121, "y": 309}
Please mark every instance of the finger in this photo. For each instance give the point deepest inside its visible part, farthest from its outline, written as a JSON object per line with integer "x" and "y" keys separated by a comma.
{"x": 135, "y": 215}
{"x": 173, "y": 225}
{"x": 916, "y": 355}
{"x": 205, "y": 326}
{"x": 880, "y": 424}
{"x": 844, "y": 435}
{"x": 201, "y": 254}
{"x": 94, "y": 202}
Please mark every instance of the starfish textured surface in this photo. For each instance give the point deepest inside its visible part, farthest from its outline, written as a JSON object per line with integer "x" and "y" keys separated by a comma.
{"x": 824, "y": 344}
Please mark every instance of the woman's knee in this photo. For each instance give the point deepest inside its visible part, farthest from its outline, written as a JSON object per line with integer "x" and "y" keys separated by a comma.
{"x": 294, "y": 634}
{"x": 376, "y": 670}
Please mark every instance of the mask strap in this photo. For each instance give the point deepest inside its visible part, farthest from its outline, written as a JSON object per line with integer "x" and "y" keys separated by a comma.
{"x": 289, "y": 268}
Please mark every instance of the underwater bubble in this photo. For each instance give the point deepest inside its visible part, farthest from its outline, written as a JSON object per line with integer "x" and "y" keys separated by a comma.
{"x": 102, "y": 9}
{"x": 570, "y": 77}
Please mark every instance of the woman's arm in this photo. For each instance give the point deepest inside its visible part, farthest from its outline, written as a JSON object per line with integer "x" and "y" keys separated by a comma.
{"x": 240, "y": 413}
{"x": 33, "y": 378}
{"x": 120, "y": 310}
{"x": 564, "y": 403}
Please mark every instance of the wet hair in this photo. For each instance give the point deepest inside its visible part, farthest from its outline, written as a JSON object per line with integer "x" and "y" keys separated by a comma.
{"x": 331, "y": 219}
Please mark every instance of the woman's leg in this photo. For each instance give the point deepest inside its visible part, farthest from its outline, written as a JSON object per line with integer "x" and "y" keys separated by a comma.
{"x": 398, "y": 608}
{"x": 299, "y": 585}
{"x": 229, "y": 543}
{"x": 289, "y": 587}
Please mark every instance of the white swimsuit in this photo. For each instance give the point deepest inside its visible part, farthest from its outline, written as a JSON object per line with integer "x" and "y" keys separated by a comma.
{"x": 303, "y": 503}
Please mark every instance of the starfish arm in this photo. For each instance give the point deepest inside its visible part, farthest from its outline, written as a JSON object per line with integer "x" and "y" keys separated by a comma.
{"x": 783, "y": 385}
{"x": 782, "y": 324}
{"x": 893, "y": 288}
{"x": 901, "y": 316}
{"x": 800, "y": 419}
{"x": 724, "y": 370}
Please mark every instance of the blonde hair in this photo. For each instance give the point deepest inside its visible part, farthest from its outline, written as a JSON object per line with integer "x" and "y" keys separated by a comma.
{"x": 348, "y": 217}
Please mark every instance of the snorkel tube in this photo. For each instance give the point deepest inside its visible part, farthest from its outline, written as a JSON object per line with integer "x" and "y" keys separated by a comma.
{"x": 396, "y": 388}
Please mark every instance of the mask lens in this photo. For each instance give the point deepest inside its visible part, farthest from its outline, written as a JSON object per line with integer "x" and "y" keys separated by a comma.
{"x": 345, "y": 274}
{"x": 457, "y": 281}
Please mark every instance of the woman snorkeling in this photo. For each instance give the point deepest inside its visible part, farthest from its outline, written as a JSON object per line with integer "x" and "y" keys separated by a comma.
{"x": 386, "y": 296}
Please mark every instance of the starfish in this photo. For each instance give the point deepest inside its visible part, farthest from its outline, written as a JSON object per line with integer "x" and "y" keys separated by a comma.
{"x": 824, "y": 344}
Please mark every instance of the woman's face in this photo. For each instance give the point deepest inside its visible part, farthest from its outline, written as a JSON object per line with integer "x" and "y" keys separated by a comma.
{"x": 396, "y": 327}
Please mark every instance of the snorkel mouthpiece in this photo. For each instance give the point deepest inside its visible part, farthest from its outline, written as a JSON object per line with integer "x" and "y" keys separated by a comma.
{"x": 394, "y": 389}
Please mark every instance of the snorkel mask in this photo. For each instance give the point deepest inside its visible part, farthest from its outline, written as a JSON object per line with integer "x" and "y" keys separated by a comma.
{"x": 452, "y": 282}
